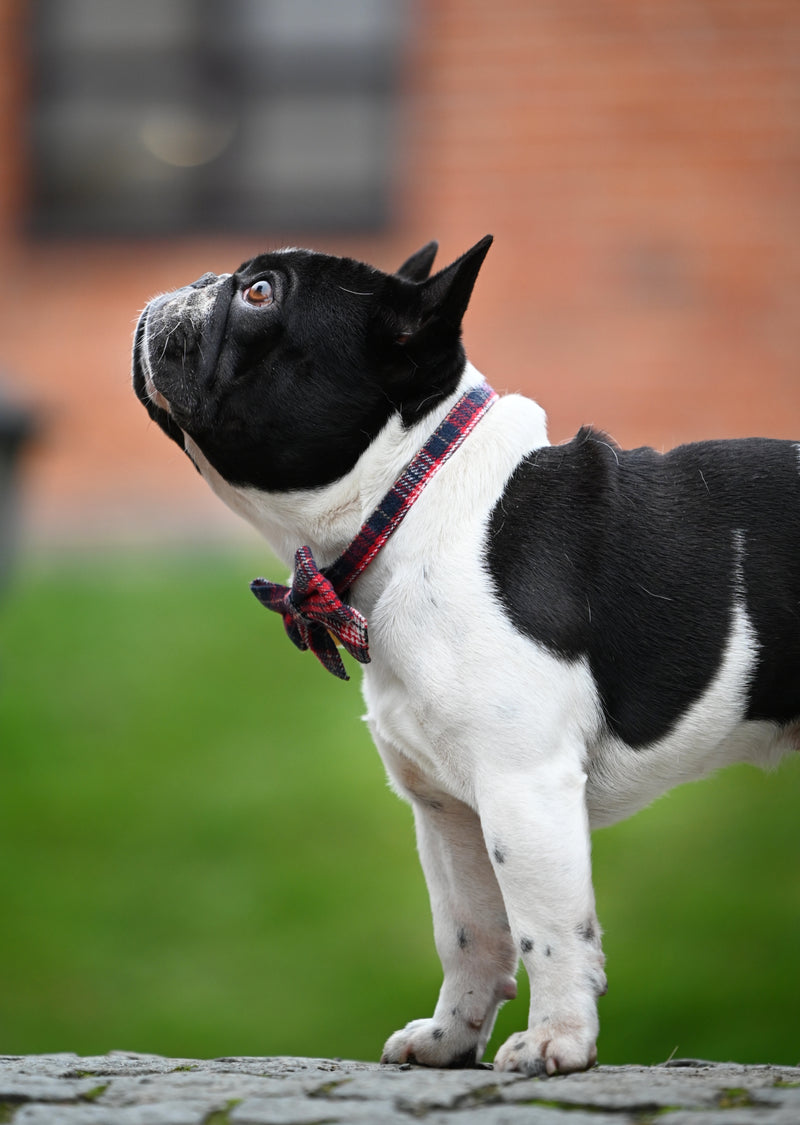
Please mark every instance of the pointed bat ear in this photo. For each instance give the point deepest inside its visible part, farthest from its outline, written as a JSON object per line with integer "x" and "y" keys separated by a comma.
{"x": 418, "y": 311}
{"x": 418, "y": 266}
{"x": 446, "y": 294}
{"x": 416, "y": 331}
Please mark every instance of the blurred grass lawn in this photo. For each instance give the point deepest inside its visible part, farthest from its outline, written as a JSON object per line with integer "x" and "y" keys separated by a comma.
{"x": 199, "y": 855}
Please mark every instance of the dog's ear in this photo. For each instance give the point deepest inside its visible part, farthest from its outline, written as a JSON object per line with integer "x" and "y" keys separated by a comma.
{"x": 417, "y": 331}
{"x": 418, "y": 266}
{"x": 413, "y": 310}
{"x": 443, "y": 298}
{"x": 446, "y": 294}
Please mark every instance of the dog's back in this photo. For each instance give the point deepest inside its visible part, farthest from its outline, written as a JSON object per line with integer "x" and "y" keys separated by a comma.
{"x": 638, "y": 561}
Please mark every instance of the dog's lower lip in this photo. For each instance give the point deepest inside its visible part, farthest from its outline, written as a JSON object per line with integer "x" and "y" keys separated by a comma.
{"x": 140, "y": 353}
{"x": 155, "y": 395}
{"x": 152, "y": 392}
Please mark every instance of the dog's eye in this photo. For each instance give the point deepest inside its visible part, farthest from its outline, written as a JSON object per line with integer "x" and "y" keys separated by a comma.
{"x": 259, "y": 293}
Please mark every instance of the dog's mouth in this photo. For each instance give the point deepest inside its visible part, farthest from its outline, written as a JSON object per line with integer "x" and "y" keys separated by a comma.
{"x": 143, "y": 381}
{"x": 155, "y": 403}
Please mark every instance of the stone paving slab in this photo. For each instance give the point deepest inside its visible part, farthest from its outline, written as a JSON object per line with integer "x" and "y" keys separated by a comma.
{"x": 124, "y": 1088}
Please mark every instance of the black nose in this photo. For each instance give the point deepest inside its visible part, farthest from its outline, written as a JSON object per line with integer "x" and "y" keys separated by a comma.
{"x": 202, "y": 282}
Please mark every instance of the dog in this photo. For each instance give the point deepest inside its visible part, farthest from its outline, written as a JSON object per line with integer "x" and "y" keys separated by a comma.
{"x": 557, "y": 634}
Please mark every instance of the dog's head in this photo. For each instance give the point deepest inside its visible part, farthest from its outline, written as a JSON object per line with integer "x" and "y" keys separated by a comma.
{"x": 283, "y": 372}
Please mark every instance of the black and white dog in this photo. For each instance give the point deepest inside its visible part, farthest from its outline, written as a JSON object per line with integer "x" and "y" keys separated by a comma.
{"x": 557, "y": 634}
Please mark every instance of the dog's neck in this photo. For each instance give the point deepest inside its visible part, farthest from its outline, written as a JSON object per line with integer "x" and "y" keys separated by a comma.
{"x": 327, "y": 519}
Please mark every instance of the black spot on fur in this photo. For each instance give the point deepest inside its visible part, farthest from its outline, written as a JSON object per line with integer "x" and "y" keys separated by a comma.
{"x": 587, "y": 932}
{"x": 438, "y": 1033}
{"x": 466, "y": 1060}
{"x": 547, "y": 951}
{"x": 429, "y": 802}
{"x": 526, "y": 945}
{"x": 499, "y": 855}
{"x": 463, "y": 939}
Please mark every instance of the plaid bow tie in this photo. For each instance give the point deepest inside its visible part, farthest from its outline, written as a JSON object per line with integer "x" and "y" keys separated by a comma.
{"x": 312, "y": 608}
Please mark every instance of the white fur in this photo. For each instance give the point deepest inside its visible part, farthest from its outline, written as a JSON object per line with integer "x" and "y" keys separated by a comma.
{"x": 499, "y": 745}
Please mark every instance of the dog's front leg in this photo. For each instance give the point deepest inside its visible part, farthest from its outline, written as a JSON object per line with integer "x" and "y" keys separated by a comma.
{"x": 537, "y": 831}
{"x": 471, "y": 933}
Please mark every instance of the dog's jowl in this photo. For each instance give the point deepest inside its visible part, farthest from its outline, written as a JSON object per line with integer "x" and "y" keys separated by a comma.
{"x": 551, "y": 636}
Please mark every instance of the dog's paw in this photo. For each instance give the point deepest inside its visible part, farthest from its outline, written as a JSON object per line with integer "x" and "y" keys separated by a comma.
{"x": 430, "y": 1043}
{"x": 552, "y": 1048}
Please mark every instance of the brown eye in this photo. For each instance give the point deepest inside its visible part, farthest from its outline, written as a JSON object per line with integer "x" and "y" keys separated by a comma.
{"x": 259, "y": 293}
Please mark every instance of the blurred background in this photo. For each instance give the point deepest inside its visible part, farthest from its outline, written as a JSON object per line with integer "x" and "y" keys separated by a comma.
{"x": 198, "y": 852}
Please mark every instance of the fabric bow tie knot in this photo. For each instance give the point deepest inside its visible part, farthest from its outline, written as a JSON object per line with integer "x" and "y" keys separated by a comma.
{"x": 313, "y": 614}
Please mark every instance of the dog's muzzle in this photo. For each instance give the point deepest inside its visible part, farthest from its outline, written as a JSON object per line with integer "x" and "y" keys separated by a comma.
{"x": 198, "y": 311}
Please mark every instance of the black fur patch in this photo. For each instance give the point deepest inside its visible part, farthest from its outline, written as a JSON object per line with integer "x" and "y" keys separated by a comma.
{"x": 634, "y": 559}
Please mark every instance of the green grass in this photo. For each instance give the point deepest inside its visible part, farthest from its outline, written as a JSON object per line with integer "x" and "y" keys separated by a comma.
{"x": 199, "y": 855}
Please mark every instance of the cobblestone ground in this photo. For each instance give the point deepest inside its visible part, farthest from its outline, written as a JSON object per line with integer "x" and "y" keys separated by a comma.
{"x": 132, "y": 1089}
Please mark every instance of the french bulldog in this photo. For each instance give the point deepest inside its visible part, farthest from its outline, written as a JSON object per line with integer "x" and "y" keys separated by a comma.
{"x": 557, "y": 634}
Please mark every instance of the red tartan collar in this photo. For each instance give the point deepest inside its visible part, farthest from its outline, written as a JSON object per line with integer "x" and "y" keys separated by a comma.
{"x": 313, "y": 609}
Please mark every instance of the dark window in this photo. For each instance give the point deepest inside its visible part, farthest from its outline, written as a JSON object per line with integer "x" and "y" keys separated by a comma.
{"x": 163, "y": 116}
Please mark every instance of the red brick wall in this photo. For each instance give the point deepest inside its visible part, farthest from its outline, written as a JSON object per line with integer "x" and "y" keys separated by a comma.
{"x": 639, "y": 164}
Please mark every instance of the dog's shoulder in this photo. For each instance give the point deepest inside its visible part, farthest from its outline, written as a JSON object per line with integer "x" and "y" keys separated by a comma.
{"x": 560, "y": 508}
